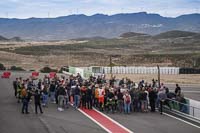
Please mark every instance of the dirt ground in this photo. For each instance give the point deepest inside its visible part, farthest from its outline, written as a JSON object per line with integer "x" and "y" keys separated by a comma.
{"x": 30, "y": 62}
{"x": 171, "y": 79}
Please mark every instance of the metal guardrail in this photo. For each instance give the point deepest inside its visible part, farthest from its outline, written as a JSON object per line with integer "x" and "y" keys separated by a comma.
{"x": 185, "y": 108}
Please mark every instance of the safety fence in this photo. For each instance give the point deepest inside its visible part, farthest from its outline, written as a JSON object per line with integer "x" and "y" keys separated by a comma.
{"x": 137, "y": 70}
{"x": 191, "y": 107}
{"x": 93, "y": 70}
{"x": 189, "y": 71}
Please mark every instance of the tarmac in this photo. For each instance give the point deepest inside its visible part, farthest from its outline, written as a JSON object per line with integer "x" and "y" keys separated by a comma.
{"x": 73, "y": 121}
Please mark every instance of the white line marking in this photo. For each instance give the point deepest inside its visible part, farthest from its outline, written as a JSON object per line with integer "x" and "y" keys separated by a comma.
{"x": 107, "y": 130}
{"x": 191, "y": 91}
{"x": 182, "y": 120}
{"x": 188, "y": 116}
{"x": 114, "y": 121}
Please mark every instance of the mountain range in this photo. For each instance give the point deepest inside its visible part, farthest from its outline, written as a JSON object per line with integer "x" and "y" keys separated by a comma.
{"x": 82, "y": 26}
{"x": 15, "y": 39}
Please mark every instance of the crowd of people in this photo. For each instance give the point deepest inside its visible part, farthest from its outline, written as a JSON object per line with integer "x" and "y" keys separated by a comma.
{"x": 123, "y": 96}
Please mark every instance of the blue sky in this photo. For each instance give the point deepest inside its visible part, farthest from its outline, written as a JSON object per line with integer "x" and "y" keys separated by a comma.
{"x": 55, "y": 8}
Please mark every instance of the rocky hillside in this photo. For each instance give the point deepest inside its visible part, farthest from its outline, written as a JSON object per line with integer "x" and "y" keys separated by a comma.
{"x": 82, "y": 26}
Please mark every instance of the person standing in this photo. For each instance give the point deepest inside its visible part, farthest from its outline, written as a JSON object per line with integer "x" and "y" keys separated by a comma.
{"x": 177, "y": 89}
{"x": 127, "y": 102}
{"x": 61, "y": 97}
{"x": 45, "y": 96}
{"x": 143, "y": 100}
{"x": 96, "y": 95}
{"x": 162, "y": 96}
{"x": 110, "y": 101}
{"x": 101, "y": 98}
{"x": 120, "y": 101}
{"x": 39, "y": 85}
{"x": 76, "y": 96}
{"x": 37, "y": 97}
{"x": 52, "y": 90}
{"x": 89, "y": 97}
{"x": 24, "y": 100}
{"x": 152, "y": 99}
{"x": 15, "y": 86}
{"x": 83, "y": 96}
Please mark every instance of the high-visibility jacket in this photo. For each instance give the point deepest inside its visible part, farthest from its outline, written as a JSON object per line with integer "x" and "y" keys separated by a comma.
{"x": 96, "y": 93}
{"x": 101, "y": 95}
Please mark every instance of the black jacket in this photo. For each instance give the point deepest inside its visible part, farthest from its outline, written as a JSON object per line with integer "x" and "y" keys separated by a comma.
{"x": 61, "y": 91}
{"x": 37, "y": 98}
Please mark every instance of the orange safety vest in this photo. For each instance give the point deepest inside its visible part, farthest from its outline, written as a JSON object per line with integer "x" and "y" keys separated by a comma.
{"x": 96, "y": 93}
{"x": 101, "y": 95}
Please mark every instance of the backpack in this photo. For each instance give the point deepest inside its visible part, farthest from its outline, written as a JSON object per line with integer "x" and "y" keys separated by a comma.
{"x": 23, "y": 93}
{"x": 128, "y": 100}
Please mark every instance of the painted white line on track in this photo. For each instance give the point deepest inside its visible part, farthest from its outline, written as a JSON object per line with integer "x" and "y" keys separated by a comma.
{"x": 191, "y": 91}
{"x": 114, "y": 121}
{"x": 189, "y": 123}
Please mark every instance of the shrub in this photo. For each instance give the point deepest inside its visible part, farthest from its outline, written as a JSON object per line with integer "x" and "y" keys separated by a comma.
{"x": 47, "y": 70}
{"x": 2, "y": 67}
{"x": 15, "y": 68}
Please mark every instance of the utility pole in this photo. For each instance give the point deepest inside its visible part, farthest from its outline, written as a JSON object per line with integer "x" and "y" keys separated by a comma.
{"x": 48, "y": 14}
{"x": 110, "y": 64}
{"x": 6, "y": 14}
{"x": 158, "y": 75}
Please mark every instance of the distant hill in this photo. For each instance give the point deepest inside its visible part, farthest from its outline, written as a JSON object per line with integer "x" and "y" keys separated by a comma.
{"x": 90, "y": 38}
{"x": 132, "y": 34}
{"x": 175, "y": 34}
{"x": 3, "y": 38}
{"x": 15, "y": 39}
{"x": 82, "y": 26}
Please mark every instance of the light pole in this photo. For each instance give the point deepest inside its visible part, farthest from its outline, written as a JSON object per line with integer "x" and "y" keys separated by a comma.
{"x": 158, "y": 75}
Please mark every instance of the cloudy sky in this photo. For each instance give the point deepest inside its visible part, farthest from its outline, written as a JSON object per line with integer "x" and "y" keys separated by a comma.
{"x": 55, "y": 8}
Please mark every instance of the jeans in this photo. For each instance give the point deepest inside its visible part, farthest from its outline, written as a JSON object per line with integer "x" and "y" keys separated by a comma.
{"x": 127, "y": 107}
{"x": 36, "y": 106}
{"x": 52, "y": 94}
{"x": 76, "y": 101}
{"x": 120, "y": 105}
{"x": 144, "y": 105}
{"x": 67, "y": 100}
{"x": 61, "y": 100}
{"x": 183, "y": 108}
{"x": 137, "y": 105}
{"x": 25, "y": 105}
{"x": 45, "y": 99}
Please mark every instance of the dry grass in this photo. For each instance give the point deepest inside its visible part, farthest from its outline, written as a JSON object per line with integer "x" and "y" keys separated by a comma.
{"x": 180, "y": 79}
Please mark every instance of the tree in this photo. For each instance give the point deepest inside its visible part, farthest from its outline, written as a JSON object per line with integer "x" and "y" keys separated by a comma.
{"x": 15, "y": 68}
{"x": 2, "y": 67}
{"x": 47, "y": 70}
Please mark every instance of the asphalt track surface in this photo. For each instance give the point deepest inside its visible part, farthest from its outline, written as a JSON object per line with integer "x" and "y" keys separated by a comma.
{"x": 191, "y": 91}
{"x": 72, "y": 121}
{"x": 52, "y": 121}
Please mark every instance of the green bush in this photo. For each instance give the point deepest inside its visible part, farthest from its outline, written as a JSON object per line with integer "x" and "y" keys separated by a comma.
{"x": 15, "y": 68}
{"x": 2, "y": 67}
{"x": 47, "y": 70}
